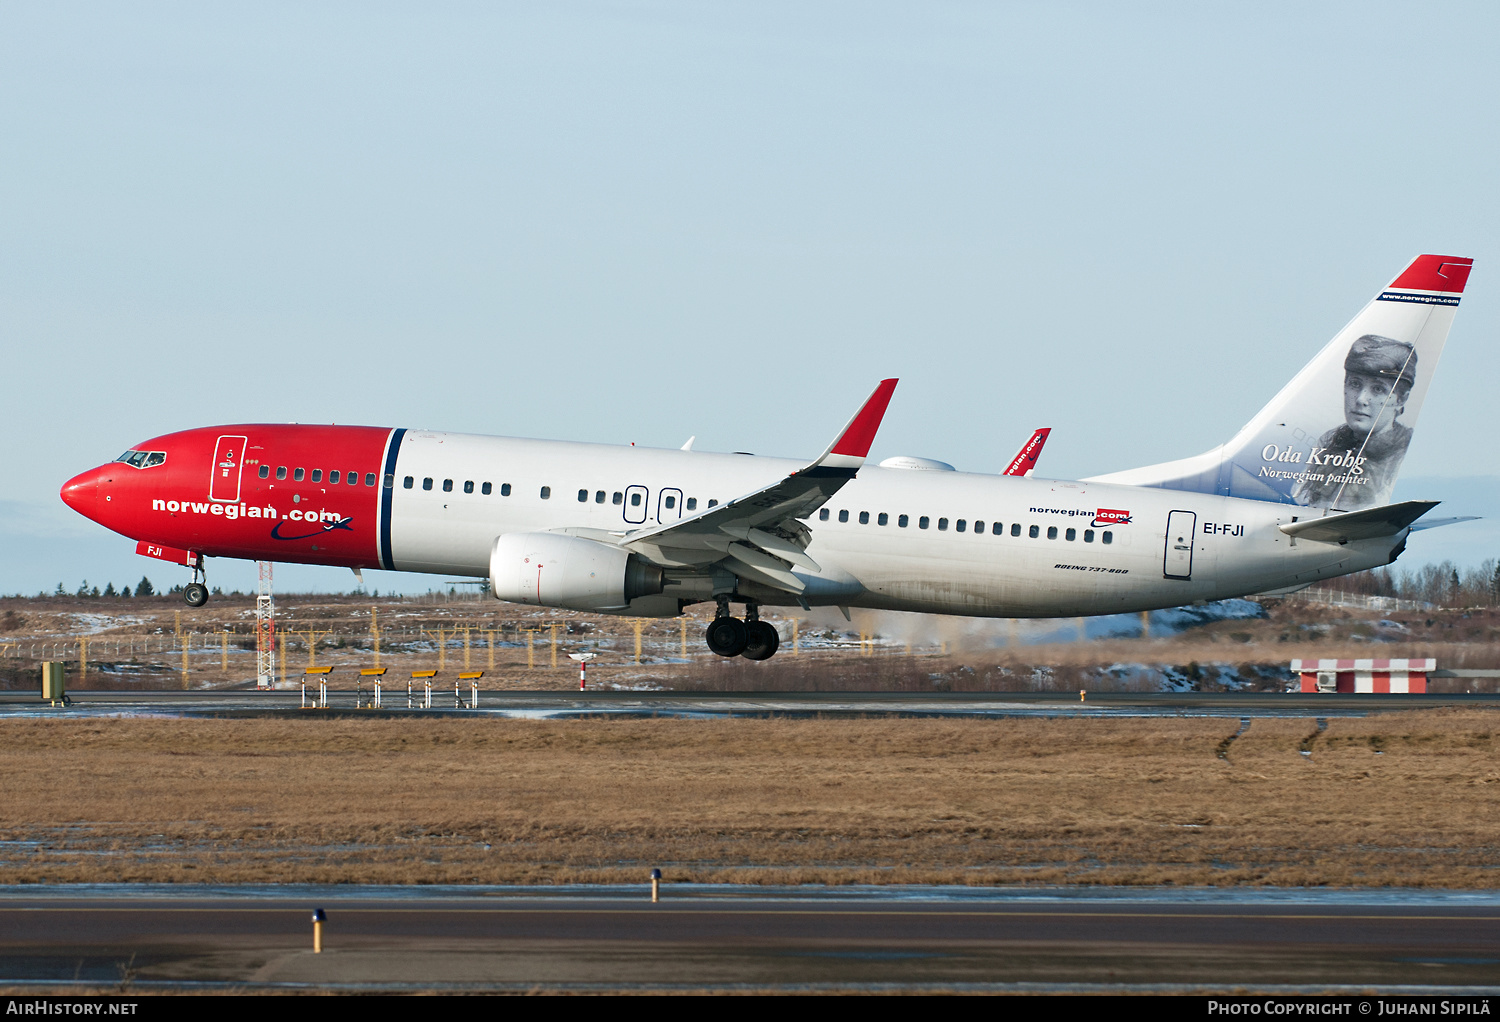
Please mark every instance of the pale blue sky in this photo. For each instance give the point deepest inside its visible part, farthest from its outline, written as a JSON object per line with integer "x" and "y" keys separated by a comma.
{"x": 640, "y": 221}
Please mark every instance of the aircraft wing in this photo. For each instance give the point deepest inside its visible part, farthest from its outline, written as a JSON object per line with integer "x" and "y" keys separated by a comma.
{"x": 758, "y": 535}
{"x": 1024, "y": 463}
{"x": 1386, "y": 520}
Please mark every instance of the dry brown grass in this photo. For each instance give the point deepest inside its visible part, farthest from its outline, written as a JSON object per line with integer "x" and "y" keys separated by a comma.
{"x": 1112, "y": 801}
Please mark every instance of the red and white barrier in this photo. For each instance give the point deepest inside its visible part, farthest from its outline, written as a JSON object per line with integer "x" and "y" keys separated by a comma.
{"x": 1364, "y": 675}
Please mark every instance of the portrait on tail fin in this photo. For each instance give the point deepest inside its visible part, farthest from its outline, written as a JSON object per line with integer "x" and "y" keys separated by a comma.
{"x": 1364, "y": 452}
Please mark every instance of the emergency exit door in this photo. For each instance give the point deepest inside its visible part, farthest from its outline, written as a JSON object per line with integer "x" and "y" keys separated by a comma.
{"x": 1178, "y": 562}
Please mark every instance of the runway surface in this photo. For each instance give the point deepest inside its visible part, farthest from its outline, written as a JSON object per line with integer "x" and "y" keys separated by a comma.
{"x": 222, "y": 703}
{"x": 701, "y": 937}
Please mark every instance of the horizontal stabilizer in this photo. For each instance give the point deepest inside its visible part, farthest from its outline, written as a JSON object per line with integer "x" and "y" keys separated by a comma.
{"x": 1438, "y": 523}
{"x": 1387, "y": 520}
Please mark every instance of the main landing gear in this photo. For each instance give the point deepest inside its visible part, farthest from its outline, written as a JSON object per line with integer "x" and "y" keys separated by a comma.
{"x": 751, "y": 638}
{"x": 195, "y": 593}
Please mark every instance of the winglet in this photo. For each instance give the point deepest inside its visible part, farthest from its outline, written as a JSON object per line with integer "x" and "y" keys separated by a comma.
{"x": 1025, "y": 460}
{"x": 853, "y": 444}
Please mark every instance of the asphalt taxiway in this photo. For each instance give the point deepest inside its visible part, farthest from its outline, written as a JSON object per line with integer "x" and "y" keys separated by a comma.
{"x": 507, "y": 703}
{"x": 703, "y": 937}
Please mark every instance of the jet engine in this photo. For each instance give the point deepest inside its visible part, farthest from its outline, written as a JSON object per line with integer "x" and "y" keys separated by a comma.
{"x": 555, "y": 570}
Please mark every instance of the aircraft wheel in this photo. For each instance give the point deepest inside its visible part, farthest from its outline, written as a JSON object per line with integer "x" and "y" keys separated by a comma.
{"x": 726, "y": 636}
{"x": 195, "y": 594}
{"x": 762, "y": 641}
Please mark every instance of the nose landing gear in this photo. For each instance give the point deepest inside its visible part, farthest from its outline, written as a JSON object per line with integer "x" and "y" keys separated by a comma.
{"x": 195, "y": 593}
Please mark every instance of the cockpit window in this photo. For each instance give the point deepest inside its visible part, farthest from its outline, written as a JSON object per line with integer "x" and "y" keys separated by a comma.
{"x": 143, "y": 459}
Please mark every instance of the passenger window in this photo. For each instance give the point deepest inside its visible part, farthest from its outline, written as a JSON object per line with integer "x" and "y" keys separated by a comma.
{"x": 1051, "y": 532}
{"x": 843, "y": 516}
{"x": 280, "y": 471}
{"x": 960, "y": 525}
{"x": 1034, "y": 531}
{"x": 297, "y": 475}
{"x": 635, "y": 500}
{"x": 942, "y": 525}
{"x": 353, "y": 475}
{"x": 265, "y": 471}
{"x": 427, "y": 483}
{"x": 1107, "y": 538}
{"x": 598, "y": 496}
{"x": 505, "y": 489}
{"x": 369, "y": 478}
{"x": 486, "y": 489}
{"x": 407, "y": 482}
{"x": 923, "y": 522}
{"x": 546, "y": 493}
{"x": 1015, "y": 529}
{"x": 468, "y": 486}
{"x": 1070, "y": 535}
{"x": 390, "y": 480}
{"x": 317, "y": 475}
{"x": 618, "y": 498}
{"x": 333, "y": 476}
{"x": 864, "y": 518}
{"x": 823, "y": 515}
{"x": 583, "y": 496}
{"x": 902, "y": 521}
{"x": 1088, "y": 535}
{"x": 712, "y": 502}
{"x": 447, "y": 485}
{"x": 978, "y": 526}
{"x": 692, "y": 503}
{"x": 671, "y": 502}
{"x": 884, "y": 519}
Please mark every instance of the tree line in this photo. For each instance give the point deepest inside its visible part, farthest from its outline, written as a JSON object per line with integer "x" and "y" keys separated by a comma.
{"x": 1443, "y": 584}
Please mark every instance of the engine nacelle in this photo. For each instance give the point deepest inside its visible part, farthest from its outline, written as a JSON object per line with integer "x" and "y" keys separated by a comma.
{"x": 554, "y": 570}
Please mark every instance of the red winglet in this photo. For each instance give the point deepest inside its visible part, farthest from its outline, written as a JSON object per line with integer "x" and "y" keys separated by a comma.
{"x": 857, "y": 437}
{"x": 1436, "y": 273}
{"x": 1025, "y": 459}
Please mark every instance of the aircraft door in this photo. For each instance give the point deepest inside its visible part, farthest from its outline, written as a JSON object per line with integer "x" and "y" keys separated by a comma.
{"x": 229, "y": 461}
{"x": 1178, "y": 562}
{"x": 668, "y": 505}
{"x": 637, "y": 504}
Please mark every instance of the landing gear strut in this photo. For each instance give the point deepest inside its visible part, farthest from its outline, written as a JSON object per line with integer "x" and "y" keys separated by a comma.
{"x": 752, "y": 638}
{"x": 195, "y": 593}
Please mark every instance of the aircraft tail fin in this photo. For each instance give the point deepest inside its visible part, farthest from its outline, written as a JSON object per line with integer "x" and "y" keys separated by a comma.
{"x": 1336, "y": 435}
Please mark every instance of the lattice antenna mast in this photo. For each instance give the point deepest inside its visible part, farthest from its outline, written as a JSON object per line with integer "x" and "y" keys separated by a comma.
{"x": 265, "y": 629}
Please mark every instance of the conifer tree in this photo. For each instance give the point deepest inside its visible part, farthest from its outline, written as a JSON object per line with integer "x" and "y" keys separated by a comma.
{"x": 109, "y": 589}
{"x": 144, "y": 588}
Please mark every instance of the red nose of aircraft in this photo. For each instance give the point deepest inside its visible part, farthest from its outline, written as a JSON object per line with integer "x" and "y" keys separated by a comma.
{"x": 81, "y": 493}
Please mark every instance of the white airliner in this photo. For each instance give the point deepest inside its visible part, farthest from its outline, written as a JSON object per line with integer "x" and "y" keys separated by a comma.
{"x": 1299, "y": 494}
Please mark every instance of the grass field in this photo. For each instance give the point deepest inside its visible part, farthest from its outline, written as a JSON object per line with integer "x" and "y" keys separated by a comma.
{"x": 1398, "y": 799}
